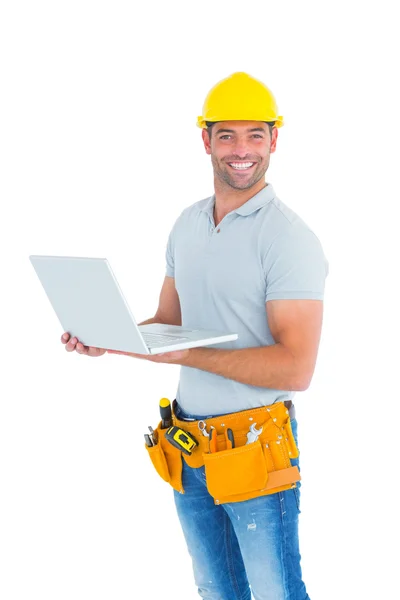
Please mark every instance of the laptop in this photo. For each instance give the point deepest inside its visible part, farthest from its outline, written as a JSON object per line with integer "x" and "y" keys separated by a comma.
{"x": 90, "y": 305}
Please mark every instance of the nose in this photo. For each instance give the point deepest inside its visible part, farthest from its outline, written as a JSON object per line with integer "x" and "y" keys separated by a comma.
{"x": 240, "y": 147}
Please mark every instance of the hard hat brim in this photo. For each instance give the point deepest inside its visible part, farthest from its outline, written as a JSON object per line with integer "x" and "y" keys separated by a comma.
{"x": 202, "y": 122}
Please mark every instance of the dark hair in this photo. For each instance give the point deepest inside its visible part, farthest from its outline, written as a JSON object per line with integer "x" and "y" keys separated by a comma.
{"x": 210, "y": 124}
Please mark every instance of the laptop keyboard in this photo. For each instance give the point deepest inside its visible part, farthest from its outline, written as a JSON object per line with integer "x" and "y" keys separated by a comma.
{"x": 161, "y": 339}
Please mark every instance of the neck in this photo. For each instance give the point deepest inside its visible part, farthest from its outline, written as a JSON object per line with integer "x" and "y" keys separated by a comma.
{"x": 228, "y": 199}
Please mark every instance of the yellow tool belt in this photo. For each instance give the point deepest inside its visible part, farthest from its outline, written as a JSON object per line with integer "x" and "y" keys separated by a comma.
{"x": 246, "y": 471}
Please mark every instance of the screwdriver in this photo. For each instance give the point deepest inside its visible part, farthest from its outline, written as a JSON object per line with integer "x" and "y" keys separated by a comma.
{"x": 152, "y": 435}
{"x": 166, "y": 413}
{"x": 148, "y": 440}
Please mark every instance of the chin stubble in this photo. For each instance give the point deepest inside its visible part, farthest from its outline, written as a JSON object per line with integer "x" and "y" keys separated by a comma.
{"x": 224, "y": 175}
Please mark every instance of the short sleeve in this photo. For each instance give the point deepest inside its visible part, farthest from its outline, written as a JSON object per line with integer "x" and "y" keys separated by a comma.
{"x": 170, "y": 249}
{"x": 169, "y": 256}
{"x": 295, "y": 266}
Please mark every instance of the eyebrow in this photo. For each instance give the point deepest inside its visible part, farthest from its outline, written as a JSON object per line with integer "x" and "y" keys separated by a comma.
{"x": 233, "y": 131}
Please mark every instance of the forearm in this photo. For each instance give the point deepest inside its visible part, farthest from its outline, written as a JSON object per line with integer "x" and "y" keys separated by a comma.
{"x": 267, "y": 366}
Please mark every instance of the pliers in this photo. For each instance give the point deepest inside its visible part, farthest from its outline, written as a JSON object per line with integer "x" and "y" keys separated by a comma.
{"x": 230, "y": 440}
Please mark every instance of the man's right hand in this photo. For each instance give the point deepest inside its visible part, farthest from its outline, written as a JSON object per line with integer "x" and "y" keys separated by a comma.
{"x": 72, "y": 344}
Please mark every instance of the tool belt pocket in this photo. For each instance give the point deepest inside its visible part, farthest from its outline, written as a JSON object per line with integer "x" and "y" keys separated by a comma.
{"x": 166, "y": 459}
{"x": 159, "y": 461}
{"x": 236, "y": 471}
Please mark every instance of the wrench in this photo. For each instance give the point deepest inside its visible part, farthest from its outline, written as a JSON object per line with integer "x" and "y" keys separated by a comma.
{"x": 202, "y": 425}
{"x": 253, "y": 434}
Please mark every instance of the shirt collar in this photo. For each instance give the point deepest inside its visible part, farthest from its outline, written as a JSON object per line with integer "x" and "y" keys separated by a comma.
{"x": 260, "y": 199}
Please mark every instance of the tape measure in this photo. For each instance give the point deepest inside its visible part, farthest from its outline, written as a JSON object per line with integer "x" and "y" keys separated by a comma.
{"x": 181, "y": 439}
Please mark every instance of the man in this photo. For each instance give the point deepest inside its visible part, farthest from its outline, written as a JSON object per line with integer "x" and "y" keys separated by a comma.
{"x": 241, "y": 261}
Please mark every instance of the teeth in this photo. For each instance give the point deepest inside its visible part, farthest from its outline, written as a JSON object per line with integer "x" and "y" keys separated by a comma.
{"x": 241, "y": 165}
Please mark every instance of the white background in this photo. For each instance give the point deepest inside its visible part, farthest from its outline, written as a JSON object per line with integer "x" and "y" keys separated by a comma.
{"x": 99, "y": 155}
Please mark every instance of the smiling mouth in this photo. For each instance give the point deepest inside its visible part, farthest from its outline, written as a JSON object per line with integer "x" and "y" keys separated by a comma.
{"x": 244, "y": 166}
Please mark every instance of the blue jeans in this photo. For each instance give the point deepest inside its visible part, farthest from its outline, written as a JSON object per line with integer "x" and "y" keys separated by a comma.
{"x": 242, "y": 546}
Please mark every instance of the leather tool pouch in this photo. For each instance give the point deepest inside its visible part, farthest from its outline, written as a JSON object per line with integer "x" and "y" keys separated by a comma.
{"x": 235, "y": 474}
{"x": 256, "y": 469}
{"x": 166, "y": 459}
{"x": 236, "y": 471}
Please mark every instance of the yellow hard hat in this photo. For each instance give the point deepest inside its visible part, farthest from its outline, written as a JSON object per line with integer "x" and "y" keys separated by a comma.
{"x": 240, "y": 97}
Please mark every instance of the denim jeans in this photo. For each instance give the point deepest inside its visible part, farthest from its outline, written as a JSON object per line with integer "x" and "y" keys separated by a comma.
{"x": 242, "y": 550}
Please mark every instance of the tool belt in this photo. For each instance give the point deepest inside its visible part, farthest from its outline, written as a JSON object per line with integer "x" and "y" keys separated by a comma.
{"x": 245, "y": 471}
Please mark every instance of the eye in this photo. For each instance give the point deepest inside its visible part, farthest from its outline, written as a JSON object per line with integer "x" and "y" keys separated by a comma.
{"x": 224, "y": 137}
{"x": 257, "y": 135}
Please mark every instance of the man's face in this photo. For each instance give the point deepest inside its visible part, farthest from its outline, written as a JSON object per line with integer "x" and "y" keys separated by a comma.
{"x": 240, "y": 151}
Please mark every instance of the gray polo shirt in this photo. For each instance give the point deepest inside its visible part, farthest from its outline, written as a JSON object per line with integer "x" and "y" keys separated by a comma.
{"x": 224, "y": 275}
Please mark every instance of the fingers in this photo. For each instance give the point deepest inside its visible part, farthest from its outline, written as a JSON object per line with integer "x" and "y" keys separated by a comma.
{"x": 92, "y": 351}
{"x": 69, "y": 342}
{"x": 81, "y": 349}
{"x": 72, "y": 344}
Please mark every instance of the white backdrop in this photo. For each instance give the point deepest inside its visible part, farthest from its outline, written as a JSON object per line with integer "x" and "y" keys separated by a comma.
{"x": 99, "y": 155}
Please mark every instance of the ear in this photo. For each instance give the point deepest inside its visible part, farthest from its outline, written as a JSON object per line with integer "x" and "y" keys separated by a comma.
{"x": 274, "y": 139}
{"x": 206, "y": 140}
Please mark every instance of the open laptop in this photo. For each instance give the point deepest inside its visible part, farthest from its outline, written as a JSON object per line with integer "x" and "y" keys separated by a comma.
{"x": 90, "y": 305}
